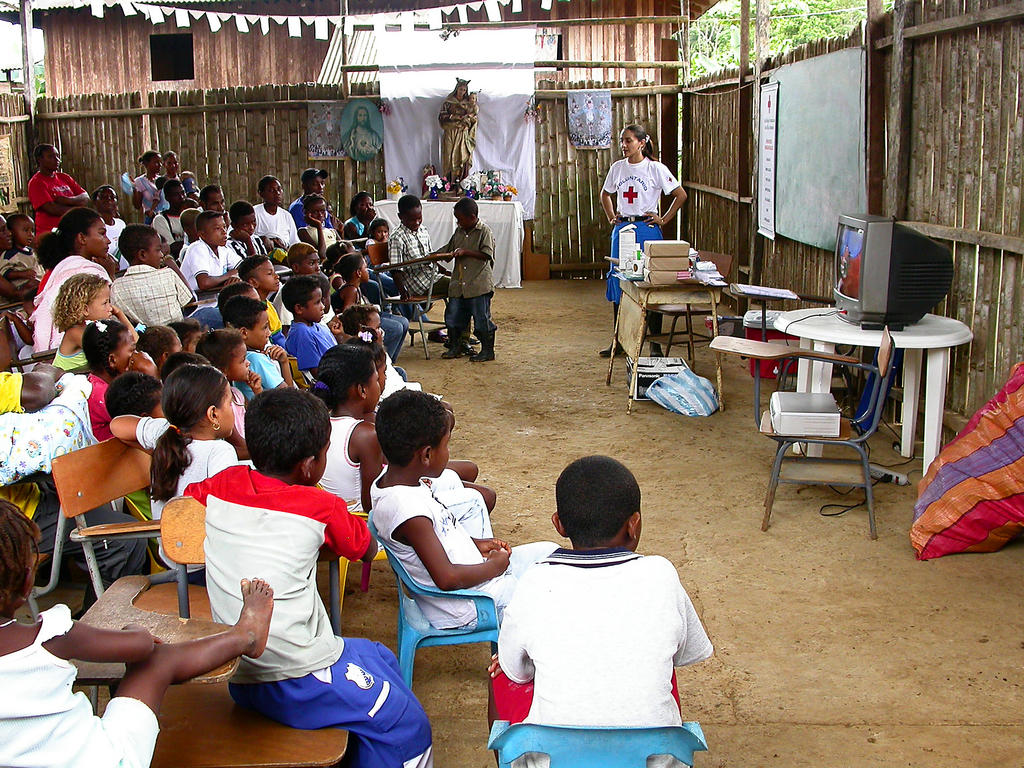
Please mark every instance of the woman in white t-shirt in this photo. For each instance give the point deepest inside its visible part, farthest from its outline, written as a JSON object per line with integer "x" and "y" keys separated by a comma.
{"x": 638, "y": 181}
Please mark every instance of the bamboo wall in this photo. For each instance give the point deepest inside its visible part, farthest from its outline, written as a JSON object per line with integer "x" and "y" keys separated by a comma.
{"x": 12, "y": 123}
{"x": 569, "y": 222}
{"x": 230, "y": 136}
{"x": 965, "y": 159}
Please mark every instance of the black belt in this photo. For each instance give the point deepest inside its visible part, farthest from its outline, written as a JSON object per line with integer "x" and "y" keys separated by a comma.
{"x": 633, "y": 219}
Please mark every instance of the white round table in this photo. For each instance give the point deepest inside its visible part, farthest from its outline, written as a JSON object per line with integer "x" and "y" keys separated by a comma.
{"x": 822, "y": 329}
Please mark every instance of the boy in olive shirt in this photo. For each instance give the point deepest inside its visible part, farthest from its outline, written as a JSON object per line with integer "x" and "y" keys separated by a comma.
{"x": 472, "y": 284}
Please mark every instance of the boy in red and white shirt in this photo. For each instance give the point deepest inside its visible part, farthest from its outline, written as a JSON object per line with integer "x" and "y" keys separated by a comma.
{"x": 273, "y": 520}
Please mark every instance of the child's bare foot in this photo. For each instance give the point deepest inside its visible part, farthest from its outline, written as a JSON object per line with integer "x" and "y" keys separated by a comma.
{"x": 257, "y": 607}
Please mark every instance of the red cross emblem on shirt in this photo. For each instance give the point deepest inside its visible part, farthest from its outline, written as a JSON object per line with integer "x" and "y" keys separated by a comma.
{"x": 631, "y": 195}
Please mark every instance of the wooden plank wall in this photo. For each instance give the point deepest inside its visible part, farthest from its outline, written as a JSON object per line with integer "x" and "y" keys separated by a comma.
{"x": 569, "y": 223}
{"x": 967, "y": 124}
{"x": 12, "y": 107}
{"x": 111, "y": 55}
{"x": 232, "y": 147}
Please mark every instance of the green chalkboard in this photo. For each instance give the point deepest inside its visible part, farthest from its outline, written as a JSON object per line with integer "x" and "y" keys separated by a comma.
{"x": 821, "y": 147}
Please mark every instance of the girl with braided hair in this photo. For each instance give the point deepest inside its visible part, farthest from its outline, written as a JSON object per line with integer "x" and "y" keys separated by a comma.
{"x": 109, "y": 348}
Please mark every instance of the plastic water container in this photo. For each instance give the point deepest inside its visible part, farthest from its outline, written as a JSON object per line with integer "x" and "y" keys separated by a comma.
{"x": 752, "y": 330}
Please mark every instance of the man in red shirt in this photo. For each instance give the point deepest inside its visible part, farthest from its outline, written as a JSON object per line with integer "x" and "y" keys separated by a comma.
{"x": 52, "y": 193}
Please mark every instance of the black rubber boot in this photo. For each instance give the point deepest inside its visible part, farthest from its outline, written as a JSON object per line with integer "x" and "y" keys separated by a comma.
{"x": 456, "y": 347}
{"x": 486, "y": 352}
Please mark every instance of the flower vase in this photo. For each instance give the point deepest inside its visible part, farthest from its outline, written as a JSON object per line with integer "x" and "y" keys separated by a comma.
{"x": 507, "y": 198}
{"x": 470, "y": 193}
{"x": 394, "y": 196}
{"x": 432, "y": 195}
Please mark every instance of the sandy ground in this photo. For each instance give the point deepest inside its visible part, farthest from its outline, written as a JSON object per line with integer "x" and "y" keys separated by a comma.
{"x": 830, "y": 649}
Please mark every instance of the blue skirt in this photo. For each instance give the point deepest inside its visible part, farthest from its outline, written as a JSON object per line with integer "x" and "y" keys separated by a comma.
{"x": 644, "y": 232}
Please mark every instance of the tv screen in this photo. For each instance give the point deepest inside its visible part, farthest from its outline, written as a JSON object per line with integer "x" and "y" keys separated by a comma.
{"x": 850, "y": 252}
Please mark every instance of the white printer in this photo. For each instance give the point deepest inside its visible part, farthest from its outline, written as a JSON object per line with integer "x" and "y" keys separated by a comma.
{"x": 804, "y": 414}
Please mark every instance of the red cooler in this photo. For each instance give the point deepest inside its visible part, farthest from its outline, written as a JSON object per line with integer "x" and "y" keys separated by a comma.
{"x": 752, "y": 330}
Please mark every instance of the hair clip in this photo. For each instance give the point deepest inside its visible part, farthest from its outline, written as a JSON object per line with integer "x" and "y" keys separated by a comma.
{"x": 100, "y": 326}
{"x": 365, "y": 336}
{"x": 320, "y": 385}
{"x": 140, "y": 328}
{"x": 56, "y": 230}
{"x": 172, "y": 426}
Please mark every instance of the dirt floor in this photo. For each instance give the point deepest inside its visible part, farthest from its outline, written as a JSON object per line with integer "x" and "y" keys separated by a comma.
{"x": 830, "y": 649}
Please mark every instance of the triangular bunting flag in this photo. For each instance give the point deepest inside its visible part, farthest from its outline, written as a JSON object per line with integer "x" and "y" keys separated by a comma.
{"x": 517, "y": 6}
{"x": 320, "y": 28}
{"x": 181, "y": 18}
{"x": 97, "y": 8}
{"x": 241, "y": 23}
{"x": 264, "y": 22}
{"x": 463, "y": 15}
{"x": 127, "y": 8}
{"x": 294, "y": 26}
{"x": 493, "y": 11}
{"x": 434, "y": 18}
{"x": 214, "y": 20}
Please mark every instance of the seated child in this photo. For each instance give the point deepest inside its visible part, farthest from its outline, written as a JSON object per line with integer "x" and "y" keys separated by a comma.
{"x": 409, "y": 241}
{"x": 46, "y": 723}
{"x": 318, "y": 232}
{"x": 189, "y": 443}
{"x": 226, "y": 352}
{"x": 208, "y": 264}
{"x": 82, "y": 299}
{"x": 151, "y": 291}
{"x": 241, "y": 238}
{"x": 448, "y": 545}
{"x": 307, "y": 338}
{"x": 135, "y": 394}
{"x": 308, "y": 677}
{"x": 268, "y": 361}
{"x": 597, "y": 629}
{"x": 352, "y": 268}
{"x": 304, "y": 260}
{"x": 167, "y": 223}
{"x": 177, "y": 360}
{"x": 359, "y": 319}
{"x": 188, "y": 226}
{"x": 378, "y": 231}
{"x": 109, "y": 348}
{"x": 104, "y": 201}
{"x": 259, "y": 272}
{"x": 189, "y": 333}
{"x": 349, "y": 385}
{"x": 210, "y": 316}
{"x": 159, "y": 342}
{"x": 20, "y": 270}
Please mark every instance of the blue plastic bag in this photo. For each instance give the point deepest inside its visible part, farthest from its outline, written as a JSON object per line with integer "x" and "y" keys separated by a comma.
{"x": 684, "y": 392}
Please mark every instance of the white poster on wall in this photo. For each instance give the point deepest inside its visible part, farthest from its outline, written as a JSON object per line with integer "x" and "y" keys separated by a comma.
{"x": 766, "y": 160}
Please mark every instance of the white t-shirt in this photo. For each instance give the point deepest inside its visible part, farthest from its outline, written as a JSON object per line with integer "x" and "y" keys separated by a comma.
{"x": 639, "y": 186}
{"x": 200, "y": 259}
{"x": 341, "y": 475}
{"x": 599, "y": 634}
{"x": 113, "y": 233}
{"x": 394, "y": 505}
{"x": 208, "y": 456}
{"x": 281, "y": 224}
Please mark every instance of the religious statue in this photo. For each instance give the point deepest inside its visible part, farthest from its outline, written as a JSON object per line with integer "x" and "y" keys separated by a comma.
{"x": 458, "y": 118}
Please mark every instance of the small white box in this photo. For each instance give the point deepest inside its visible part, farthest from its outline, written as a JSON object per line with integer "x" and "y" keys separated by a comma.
{"x": 649, "y": 370}
{"x": 804, "y": 414}
{"x": 627, "y": 249}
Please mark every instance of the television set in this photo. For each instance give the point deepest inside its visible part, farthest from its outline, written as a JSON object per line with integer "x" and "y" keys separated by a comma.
{"x": 886, "y": 273}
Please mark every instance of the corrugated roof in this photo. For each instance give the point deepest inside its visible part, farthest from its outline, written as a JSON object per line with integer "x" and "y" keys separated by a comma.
{"x": 361, "y": 49}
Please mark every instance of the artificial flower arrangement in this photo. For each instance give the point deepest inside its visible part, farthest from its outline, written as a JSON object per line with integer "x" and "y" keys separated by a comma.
{"x": 471, "y": 185}
{"x": 396, "y": 188}
{"x": 436, "y": 185}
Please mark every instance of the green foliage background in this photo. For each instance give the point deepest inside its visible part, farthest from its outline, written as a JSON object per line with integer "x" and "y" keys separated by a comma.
{"x": 715, "y": 36}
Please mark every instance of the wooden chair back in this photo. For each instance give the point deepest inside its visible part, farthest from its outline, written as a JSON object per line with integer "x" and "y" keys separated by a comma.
{"x": 183, "y": 530}
{"x": 96, "y": 475}
{"x": 885, "y": 350}
{"x": 378, "y": 253}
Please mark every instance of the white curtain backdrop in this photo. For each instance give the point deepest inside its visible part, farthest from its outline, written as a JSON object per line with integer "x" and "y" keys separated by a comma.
{"x": 500, "y": 66}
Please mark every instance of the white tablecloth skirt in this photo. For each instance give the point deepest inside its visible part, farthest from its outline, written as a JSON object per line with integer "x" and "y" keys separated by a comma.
{"x": 504, "y": 218}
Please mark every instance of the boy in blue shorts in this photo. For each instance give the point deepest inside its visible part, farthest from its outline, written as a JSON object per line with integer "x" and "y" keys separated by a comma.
{"x": 597, "y": 630}
{"x": 274, "y": 518}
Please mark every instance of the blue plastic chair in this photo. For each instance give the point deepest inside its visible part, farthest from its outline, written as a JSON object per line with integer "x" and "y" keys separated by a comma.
{"x": 586, "y": 747}
{"x": 414, "y": 631}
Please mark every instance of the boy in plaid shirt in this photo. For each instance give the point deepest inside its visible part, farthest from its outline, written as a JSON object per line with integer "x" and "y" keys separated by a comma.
{"x": 410, "y": 240}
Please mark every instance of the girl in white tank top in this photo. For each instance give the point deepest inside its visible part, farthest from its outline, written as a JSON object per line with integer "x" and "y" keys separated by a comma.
{"x": 349, "y": 385}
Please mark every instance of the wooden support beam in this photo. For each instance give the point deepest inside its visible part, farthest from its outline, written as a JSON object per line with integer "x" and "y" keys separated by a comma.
{"x": 762, "y": 36}
{"x": 744, "y": 134}
{"x": 669, "y": 128}
{"x": 992, "y": 240}
{"x": 28, "y": 67}
{"x": 718, "y": 192}
{"x": 875, "y": 109}
{"x": 900, "y": 85}
{"x": 994, "y": 15}
{"x": 629, "y": 91}
{"x": 617, "y": 21}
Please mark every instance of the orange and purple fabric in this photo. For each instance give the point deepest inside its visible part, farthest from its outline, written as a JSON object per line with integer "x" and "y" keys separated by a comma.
{"x": 972, "y": 497}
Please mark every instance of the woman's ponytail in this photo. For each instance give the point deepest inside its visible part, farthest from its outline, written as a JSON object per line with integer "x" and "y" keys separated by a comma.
{"x": 640, "y": 133}
{"x": 57, "y": 245}
{"x": 170, "y": 460}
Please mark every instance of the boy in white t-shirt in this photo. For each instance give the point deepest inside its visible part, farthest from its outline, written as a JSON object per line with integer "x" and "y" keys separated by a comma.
{"x": 593, "y": 633}
{"x": 208, "y": 264}
{"x": 436, "y": 526}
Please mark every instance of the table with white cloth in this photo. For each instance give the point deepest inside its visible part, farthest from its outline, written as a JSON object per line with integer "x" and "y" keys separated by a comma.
{"x": 823, "y": 329}
{"x": 504, "y": 218}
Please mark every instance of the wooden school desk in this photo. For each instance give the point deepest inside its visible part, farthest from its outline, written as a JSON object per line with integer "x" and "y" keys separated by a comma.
{"x": 631, "y": 322}
{"x": 822, "y": 329}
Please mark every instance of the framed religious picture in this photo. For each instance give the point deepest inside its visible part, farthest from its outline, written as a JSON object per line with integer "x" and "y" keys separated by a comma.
{"x": 590, "y": 119}
{"x": 340, "y": 129}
